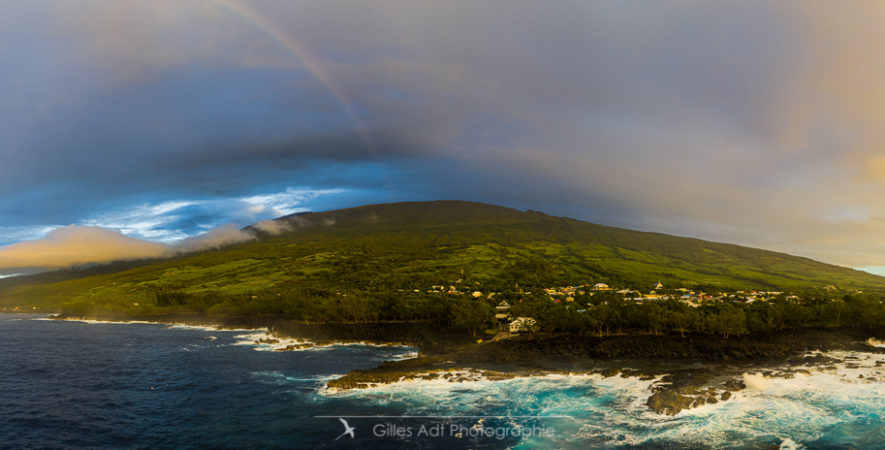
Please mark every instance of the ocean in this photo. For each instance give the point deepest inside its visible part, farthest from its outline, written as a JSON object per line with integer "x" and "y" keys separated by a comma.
{"x": 76, "y": 384}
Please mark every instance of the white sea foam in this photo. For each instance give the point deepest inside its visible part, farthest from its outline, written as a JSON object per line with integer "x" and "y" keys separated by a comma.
{"x": 405, "y": 355}
{"x": 169, "y": 325}
{"x": 177, "y": 326}
{"x": 265, "y": 341}
{"x": 875, "y": 342}
{"x": 801, "y": 408}
{"x": 788, "y": 444}
{"x": 185, "y": 326}
{"x": 108, "y": 322}
{"x": 755, "y": 381}
{"x": 457, "y": 382}
{"x": 281, "y": 379}
{"x": 583, "y": 408}
{"x": 261, "y": 339}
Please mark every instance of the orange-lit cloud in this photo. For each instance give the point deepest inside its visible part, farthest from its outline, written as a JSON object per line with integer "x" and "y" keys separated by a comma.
{"x": 77, "y": 245}
{"x": 74, "y": 245}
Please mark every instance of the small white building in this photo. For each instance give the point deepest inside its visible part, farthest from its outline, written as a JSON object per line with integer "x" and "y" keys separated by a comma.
{"x": 522, "y": 324}
{"x": 601, "y": 287}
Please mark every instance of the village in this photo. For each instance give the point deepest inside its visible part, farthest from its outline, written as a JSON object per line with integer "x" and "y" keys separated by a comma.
{"x": 574, "y": 294}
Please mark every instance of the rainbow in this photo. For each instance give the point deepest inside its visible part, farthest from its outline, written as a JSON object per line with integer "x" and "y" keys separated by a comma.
{"x": 305, "y": 57}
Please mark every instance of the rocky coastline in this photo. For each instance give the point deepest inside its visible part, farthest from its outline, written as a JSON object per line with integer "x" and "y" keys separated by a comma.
{"x": 687, "y": 372}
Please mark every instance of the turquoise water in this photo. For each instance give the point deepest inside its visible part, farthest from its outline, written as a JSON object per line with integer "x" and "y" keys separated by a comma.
{"x": 77, "y": 384}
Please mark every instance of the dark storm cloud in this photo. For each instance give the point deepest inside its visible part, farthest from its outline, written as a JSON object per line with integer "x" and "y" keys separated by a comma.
{"x": 750, "y": 122}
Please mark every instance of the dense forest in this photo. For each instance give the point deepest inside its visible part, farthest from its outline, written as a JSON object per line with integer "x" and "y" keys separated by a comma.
{"x": 602, "y": 313}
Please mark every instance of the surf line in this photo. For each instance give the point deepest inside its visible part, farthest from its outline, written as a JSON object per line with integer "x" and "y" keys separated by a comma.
{"x": 442, "y": 417}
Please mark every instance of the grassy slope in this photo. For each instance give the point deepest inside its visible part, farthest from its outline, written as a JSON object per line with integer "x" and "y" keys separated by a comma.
{"x": 412, "y": 245}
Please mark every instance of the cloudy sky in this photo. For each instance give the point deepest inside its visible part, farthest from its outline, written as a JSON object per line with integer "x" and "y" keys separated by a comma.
{"x": 758, "y": 123}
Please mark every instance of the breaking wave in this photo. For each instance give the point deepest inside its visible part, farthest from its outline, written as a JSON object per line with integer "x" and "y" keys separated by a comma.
{"x": 264, "y": 340}
{"x": 814, "y": 406}
{"x": 875, "y": 342}
{"x": 104, "y": 322}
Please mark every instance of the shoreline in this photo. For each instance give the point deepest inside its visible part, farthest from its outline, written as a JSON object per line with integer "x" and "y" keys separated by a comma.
{"x": 301, "y": 335}
{"x": 263, "y": 338}
{"x": 685, "y": 373}
{"x": 682, "y": 379}
{"x": 670, "y": 389}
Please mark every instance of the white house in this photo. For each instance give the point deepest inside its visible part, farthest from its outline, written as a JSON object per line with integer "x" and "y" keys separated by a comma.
{"x": 601, "y": 287}
{"x": 522, "y": 324}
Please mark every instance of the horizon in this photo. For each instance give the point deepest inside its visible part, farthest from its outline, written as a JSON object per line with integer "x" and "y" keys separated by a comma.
{"x": 139, "y": 127}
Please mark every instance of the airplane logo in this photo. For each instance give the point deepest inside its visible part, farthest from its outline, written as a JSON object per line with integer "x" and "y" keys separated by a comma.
{"x": 347, "y": 430}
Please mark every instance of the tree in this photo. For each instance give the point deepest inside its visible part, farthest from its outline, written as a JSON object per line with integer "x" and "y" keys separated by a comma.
{"x": 471, "y": 314}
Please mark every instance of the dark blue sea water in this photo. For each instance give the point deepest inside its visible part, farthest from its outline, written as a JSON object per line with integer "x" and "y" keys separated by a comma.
{"x": 77, "y": 384}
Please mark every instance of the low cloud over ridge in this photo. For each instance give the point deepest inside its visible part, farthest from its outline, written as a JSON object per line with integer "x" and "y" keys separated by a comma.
{"x": 76, "y": 245}
{"x": 222, "y": 236}
{"x": 73, "y": 245}
{"x": 273, "y": 226}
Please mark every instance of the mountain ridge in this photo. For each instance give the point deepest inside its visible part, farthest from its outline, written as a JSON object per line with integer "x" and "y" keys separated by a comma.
{"x": 412, "y": 245}
{"x": 619, "y": 236}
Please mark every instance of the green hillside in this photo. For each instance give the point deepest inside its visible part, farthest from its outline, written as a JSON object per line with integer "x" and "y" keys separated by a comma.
{"x": 381, "y": 251}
